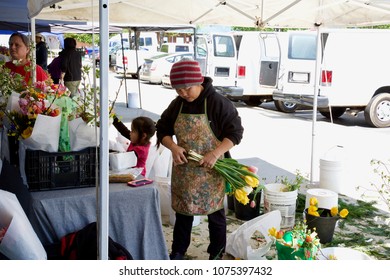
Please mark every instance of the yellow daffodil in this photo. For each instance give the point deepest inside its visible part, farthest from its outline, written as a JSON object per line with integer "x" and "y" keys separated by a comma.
{"x": 241, "y": 196}
{"x": 313, "y": 201}
{"x": 344, "y": 213}
{"x": 334, "y": 211}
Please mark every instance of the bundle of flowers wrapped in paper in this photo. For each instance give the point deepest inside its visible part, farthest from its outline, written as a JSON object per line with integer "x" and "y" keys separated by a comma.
{"x": 240, "y": 179}
{"x": 34, "y": 116}
{"x": 30, "y": 103}
{"x": 299, "y": 243}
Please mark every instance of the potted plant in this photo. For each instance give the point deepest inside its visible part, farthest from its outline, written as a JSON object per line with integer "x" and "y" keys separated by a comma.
{"x": 322, "y": 220}
{"x": 282, "y": 196}
{"x": 299, "y": 243}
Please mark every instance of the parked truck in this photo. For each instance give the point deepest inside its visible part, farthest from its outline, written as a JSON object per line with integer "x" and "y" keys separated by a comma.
{"x": 354, "y": 73}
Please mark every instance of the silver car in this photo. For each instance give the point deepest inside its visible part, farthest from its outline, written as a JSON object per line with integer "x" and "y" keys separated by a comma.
{"x": 154, "y": 68}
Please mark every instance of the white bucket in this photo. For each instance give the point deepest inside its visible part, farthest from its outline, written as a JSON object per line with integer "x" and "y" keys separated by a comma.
{"x": 326, "y": 198}
{"x": 332, "y": 169}
{"x": 133, "y": 100}
{"x": 285, "y": 202}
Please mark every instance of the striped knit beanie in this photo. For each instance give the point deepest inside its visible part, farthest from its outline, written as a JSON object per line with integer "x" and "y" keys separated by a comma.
{"x": 185, "y": 73}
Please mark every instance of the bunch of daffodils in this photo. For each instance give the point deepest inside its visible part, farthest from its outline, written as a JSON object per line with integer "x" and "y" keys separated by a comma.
{"x": 241, "y": 180}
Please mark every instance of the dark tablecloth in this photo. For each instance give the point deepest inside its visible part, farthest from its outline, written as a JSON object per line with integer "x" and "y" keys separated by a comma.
{"x": 134, "y": 219}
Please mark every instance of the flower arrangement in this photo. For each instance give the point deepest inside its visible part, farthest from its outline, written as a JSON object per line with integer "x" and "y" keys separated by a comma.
{"x": 32, "y": 102}
{"x": 241, "y": 180}
{"x": 297, "y": 243}
{"x": 334, "y": 211}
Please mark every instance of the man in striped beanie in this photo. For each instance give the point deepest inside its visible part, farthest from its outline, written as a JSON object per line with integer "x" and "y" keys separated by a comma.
{"x": 206, "y": 122}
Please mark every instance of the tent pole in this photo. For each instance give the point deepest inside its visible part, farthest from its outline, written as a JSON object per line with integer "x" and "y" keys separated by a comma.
{"x": 136, "y": 36}
{"x": 33, "y": 51}
{"x": 124, "y": 70}
{"x": 103, "y": 187}
{"x": 316, "y": 92}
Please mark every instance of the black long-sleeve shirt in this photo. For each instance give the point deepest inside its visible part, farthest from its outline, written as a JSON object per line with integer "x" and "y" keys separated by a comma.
{"x": 71, "y": 65}
{"x": 223, "y": 116}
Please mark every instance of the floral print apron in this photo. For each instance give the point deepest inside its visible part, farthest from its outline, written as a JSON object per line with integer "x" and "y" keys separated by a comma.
{"x": 196, "y": 190}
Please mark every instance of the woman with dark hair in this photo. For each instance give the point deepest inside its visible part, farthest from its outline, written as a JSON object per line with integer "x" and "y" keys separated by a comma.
{"x": 71, "y": 66}
{"x": 19, "y": 48}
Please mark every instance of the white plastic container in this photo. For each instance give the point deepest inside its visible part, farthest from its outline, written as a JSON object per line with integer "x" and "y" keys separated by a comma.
{"x": 332, "y": 169}
{"x": 326, "y": 198}
{"x": 133, "y": 100}
{"x": 285, "y": 202}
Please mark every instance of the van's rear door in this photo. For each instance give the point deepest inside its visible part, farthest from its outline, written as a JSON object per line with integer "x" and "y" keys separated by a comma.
{"x": 216, "y": 54}
{"x": 269, "y": 60}
{"x": 298, "y": 77}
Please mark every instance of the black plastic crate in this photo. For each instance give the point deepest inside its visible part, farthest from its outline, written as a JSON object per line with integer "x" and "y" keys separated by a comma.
{"x": 49, "y": 171}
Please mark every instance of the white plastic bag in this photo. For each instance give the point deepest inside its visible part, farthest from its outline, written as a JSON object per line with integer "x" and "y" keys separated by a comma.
{"x": 238, "y": 242}
{"x": 81, "y": 135}
{"x": 45, "y": 135}
{"x": 20, "y": 241}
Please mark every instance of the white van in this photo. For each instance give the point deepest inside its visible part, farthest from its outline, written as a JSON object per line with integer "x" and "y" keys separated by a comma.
{"x": 258, "y": 59}
{"x": 176, "y": 47}
{"x": 258, "y": 66}
{"x": 130, "y": 60}
{"x": 354, "y": 73}
{"x": 217, "y": 56}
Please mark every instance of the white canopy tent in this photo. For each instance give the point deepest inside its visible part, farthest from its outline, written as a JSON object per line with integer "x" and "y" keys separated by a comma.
{"x": 260, "y": 13}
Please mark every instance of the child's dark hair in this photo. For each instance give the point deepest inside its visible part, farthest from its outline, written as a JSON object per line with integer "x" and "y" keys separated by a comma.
{"x": 144, "y": 125}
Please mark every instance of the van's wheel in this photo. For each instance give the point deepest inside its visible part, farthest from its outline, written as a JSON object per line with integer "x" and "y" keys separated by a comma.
{"x": 286, "y": 107}
{"x": 337, "y": 112}
{"x": 377, "y": 112}
{"x": 253, "y": 101}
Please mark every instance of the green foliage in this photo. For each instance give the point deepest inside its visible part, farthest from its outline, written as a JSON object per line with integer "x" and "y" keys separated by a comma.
{"x": 292, "y": 185}
{"x": 84, "y": 38}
